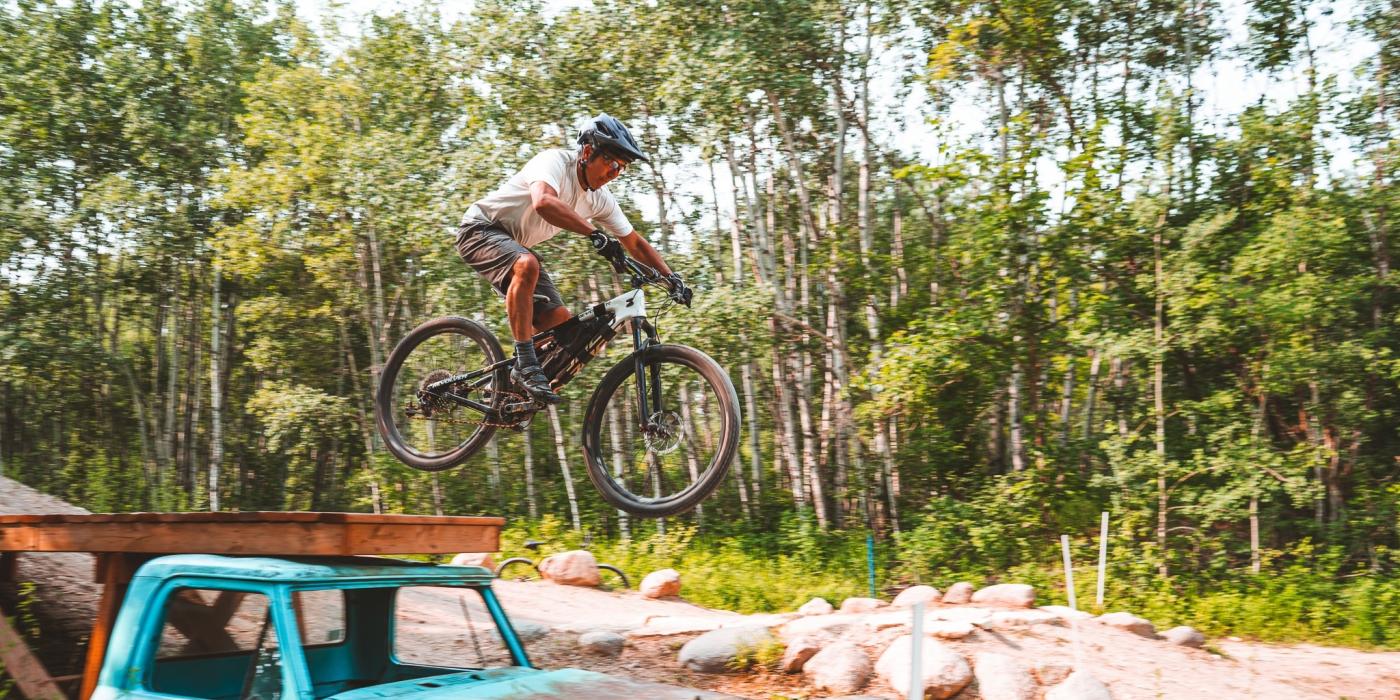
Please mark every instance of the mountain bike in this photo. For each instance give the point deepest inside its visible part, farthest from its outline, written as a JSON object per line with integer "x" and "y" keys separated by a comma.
{"x": 525, "y": 568}
{"x": 660, "y": 429}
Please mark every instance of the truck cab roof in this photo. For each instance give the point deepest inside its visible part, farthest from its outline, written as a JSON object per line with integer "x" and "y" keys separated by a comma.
{"x": 350, "y": 571}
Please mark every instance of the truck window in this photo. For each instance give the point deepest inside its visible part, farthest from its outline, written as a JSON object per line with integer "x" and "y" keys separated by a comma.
{"x": 203, "y": 621}
{"x": 320, "y": 616}
{"x": 445, "y": 627}
{"x": 213, "y": 643}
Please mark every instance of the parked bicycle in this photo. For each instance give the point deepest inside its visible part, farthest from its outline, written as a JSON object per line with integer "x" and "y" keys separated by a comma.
{"x": 653, "y": 452}
{"x": 525, "y": 569}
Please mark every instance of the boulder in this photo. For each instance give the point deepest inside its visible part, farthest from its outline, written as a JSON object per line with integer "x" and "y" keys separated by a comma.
{"x": 861, "y": 605}
{"x": 842, "y": 667}
{"x": 482, "y": 559}
{"x": 602, "y": 643}
{"x": 576, "y": 568}
{"x": 945, "y": 671}
{"x": 1185, "y": 636}
{"x": 713, "y": 652}
{"x": 959, "y": 593}
{"x": 667, "y": 625}
{"x": 1079, "y": 686}
{"x": 529, "y": 630}
{"x": 659, "y": 584}
{"x": 800, "y": 650}
{"x": 908, "y": 597}
{"x": 1067, "y": 613}
{"x": 972, "y": 616}
{"x": 1007, "y": 619}
{"x": 1006, "y": 595}
{"x": 1052, "y": 672}
{"x": 833, "y": 624}
{"x": 816, "y": 606}
{"x": 1129, "y": 622}
{"x": 948, "y": 629}
{"x": 1001, "y": 677}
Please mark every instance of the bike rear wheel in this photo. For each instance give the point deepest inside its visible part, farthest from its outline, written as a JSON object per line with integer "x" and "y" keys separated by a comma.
{"x": 518, "y": 569}
{"x": 665, "y": 457}
{"x": 424, "y": 422}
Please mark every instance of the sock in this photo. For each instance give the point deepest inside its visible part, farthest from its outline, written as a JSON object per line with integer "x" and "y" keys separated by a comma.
{"x": 525, "y": 354}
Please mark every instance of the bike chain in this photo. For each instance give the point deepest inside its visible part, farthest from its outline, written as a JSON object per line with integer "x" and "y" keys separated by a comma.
{"x": 487, "y": 423}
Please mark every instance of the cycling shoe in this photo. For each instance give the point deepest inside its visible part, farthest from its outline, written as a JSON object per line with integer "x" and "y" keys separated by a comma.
{"x": 535, "y": 383}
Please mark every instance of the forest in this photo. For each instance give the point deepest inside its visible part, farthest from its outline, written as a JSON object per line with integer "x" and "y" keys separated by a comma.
{"x": 979, "y": 270}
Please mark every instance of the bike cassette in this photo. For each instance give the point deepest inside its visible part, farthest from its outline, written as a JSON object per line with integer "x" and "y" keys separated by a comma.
{"x": 663, "y": 432}
{"x": 430, "y": 402}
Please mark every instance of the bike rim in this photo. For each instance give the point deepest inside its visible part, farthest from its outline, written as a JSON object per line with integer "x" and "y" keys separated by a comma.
{"x": 425, "y": 419}
{"x": 682, "y": 443}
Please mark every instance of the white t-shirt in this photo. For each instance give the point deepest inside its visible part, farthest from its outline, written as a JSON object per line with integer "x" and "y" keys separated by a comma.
{"x": 510, "y": 206}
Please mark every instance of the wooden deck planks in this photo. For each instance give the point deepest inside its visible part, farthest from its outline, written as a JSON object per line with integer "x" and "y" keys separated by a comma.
{"x": 267, "y": 533}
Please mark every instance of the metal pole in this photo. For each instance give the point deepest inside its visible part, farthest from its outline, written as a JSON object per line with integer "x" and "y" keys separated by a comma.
{"x": 870, "y": 561}
{"x": 1069, "y": 571}
{"x": 1103, "y": 556}
{"x": 916, "y": 651}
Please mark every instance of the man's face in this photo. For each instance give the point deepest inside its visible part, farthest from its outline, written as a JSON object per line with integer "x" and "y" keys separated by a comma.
{"x": 603, "y": 167}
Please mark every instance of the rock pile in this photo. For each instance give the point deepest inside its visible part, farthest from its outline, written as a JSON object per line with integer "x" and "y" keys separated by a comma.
{"x": 840, "y": 650}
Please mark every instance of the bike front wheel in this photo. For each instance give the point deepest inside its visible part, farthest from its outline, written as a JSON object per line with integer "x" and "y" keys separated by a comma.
{"x": 428, "y": 422}
{"x": 663, "y": 452}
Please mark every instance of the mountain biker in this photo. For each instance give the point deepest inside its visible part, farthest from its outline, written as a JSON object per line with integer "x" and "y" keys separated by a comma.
{"x": 557, "y": 190}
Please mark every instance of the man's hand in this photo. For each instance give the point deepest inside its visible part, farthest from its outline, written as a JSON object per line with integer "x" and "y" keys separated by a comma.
{"x": 605, "y": 245}
{"x": 679, "y": 291}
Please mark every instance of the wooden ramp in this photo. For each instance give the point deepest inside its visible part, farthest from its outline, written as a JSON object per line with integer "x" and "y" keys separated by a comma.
{"x": 121, "y": 542}
{"x": 275, "y": 533}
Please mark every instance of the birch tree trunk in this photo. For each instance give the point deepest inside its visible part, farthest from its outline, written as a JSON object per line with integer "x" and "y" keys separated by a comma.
{"x": 1159, "y": 410}
{"x": 529, "y": 462}
{"x": 216, "y": 398}
{"x": 562, "y": 453}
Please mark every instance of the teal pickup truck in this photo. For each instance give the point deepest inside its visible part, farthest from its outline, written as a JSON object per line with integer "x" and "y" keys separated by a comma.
{"x": 347, "y": 628}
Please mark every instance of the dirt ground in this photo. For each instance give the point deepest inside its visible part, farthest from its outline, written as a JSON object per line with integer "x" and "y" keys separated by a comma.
{"x": 1133, "y": 667}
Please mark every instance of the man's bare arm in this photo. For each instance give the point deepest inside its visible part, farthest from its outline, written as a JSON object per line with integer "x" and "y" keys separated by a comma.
{"x": 552, "y": 209}
{"x": 545, "y": 199}
{"x": 640, "y": 249}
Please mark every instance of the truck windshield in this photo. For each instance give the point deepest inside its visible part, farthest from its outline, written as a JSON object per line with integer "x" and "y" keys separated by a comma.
{"x": 212, "y": 642}
{"x": 443, "y": 626}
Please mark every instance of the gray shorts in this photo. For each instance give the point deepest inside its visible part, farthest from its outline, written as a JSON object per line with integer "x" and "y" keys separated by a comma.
{"x": 492, "y": 252}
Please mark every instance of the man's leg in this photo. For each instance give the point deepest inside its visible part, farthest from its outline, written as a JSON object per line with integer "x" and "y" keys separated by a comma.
{"x": 520, "y": 308}
{"x": 514, "y": 272}
{"x": 520, "y": 297}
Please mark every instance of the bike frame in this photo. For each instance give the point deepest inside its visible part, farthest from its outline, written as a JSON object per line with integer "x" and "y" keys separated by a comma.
{"x": 628, "y": 307}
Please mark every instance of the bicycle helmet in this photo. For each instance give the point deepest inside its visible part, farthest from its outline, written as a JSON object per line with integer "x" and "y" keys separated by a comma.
{"x": 607, "y": 133}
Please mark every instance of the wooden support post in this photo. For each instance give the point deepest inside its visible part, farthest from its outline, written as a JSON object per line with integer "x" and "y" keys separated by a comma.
{"x": 21, "y": 665}
{"x": 114, "y": 570}
{"x": 8, "y": 564}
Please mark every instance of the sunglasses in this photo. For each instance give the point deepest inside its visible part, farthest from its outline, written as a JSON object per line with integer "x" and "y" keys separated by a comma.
{"x": 616, "y": 164}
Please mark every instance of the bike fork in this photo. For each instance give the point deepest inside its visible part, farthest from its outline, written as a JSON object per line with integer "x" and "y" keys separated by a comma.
{"x": 652, "y": 407}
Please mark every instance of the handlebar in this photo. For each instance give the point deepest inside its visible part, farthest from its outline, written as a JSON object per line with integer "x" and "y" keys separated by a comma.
{"x": 643, "y": 274}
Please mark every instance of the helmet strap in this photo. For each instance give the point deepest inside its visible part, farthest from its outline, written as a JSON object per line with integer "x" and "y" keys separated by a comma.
{"x": 583, "y": 161}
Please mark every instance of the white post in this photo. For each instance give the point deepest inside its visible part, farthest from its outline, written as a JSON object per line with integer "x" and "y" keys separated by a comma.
{"x": 1103, "y": 556}
{"x": 916, "y": 650}
{"x": 1069, "y": 571}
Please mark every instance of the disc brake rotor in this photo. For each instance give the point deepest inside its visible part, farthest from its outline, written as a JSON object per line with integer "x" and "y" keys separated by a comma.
{"x": 663, "y": 434}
